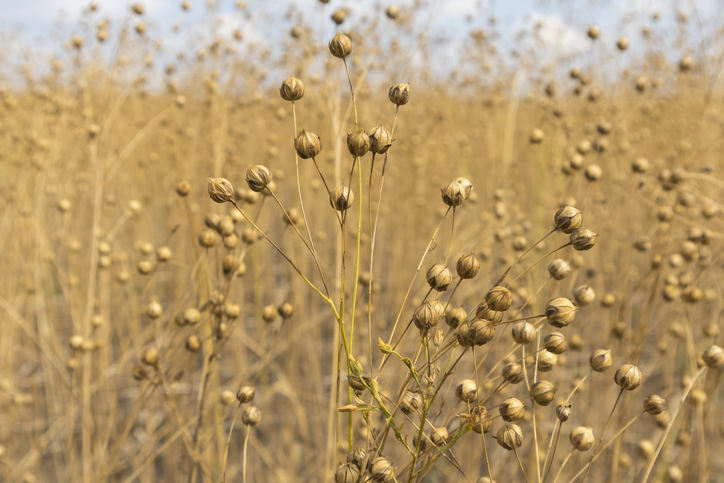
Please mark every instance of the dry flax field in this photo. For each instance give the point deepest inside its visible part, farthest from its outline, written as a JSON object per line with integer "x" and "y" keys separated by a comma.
{"x": 323, "y": 261}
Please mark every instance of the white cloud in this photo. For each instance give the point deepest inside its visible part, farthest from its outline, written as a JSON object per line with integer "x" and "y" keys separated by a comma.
{"x": 551, "y": 35}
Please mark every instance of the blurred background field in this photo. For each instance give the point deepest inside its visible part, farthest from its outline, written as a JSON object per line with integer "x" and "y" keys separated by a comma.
{"x": 133, "y": 307}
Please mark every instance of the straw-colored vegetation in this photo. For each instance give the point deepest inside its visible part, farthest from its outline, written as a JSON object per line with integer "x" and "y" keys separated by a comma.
{"x": 376, "y": 272}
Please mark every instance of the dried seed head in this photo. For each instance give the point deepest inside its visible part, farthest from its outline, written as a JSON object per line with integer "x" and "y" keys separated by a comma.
{"x": 453, "y": 194}
{"x": 512, "y": 410}
{"x": 292, "y": 89}
{"x": 154, "y": 310}
{"x": 628, "y": 377}
{"x": 380, "y": 140}
{"x": 482, "y": 311}
{"x": 468, "y": 266}
{"x": 560, "y": 312}
{"x": 382, "y": 470}
{"x": 399, "y": 94}
{"x": 286, "y": 310}
{"x": 464, "y": 335}
{"x": 341, "y": 198}
{"x": 340, "y": 46}
{"x": 568, "y": 219}
{"x": 227, "y": 397}
{"x": 513, "y": 373}
{"x": 307, "y": 144}
{"x": 357, "y": 457}
{"x": 640, "y": 165}
{"x": 410, "y": 403}
{"x": 76, "y": 342}
{"x": 622, "y": 43}
{"x": 359, "y": 383}
{"x": 439, "y": 277}
{"x": 232, "y": 311}
{"x": 258, "y": 177}
{"x": 563, "y": 412}
{"x": 481, "y": 332}
{"x": 600, "y": 360}
{"x": 645, "y": 448}
{"x": 150, "y": 356}
{"x": 338, "y": 16}
{"x": 686, "y": 63}
{"x": 499, "y": 298}
{"x": 593, "y": 172}
{"x": 358, "y": 143}
{"x": 583, "y": 239}
{"x": 439, "y": 436}
{"x": 547, "y": 361}
{"x": 220, "y": 190}
{"x": 556, "y": 343}
{"x": 245, "y": 394}
{"x": 269, "y": 313}
{"x": 251, "y": 416}
{"x": 543, "y": 392}
{"x": 191, "y": 315}
{"x": 393, "y": 11}
{"x": 654, "y": 404}
{"x": 164, "y": 254}
{"x": 559, "y": 269}
{"x": 674, "y": 474}
{"x": 593, "y": 32}
{"x": 467, "y": 390}
{"x": 536, "y": 136}
{"x": 510, "y": 437}
{"x": 193, "y": 343}
{"x": 714, "y": 357}
{"x": 584, "y": 295}
{"x": 455, "y": 317}
{"x": 582, "y": 438}
{"x": 183, "y": 188}
{"x": 346, "y": 473}
{"x": 523, "y": 333}
{"x": 426, "y": 316}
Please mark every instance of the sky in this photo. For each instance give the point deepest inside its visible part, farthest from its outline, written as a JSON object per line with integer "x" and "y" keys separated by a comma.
{"x": 561, "y": 24}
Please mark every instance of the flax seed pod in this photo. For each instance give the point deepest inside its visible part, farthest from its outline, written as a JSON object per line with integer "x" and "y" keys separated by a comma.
{"x": 468, "y": 266}
{"x": 482, "y": 311}
{"x": 568, "y": 219}
{"x": 563, "y": 412}
{"x": 547, "y": 361}
{"x": 358, "y": 143}
{"x": 600, "y": 360}
{"x": 251, "y": 416}
{"x": 582, "y": 438}
{"x": 510, "y": 437}
{"x": 654, "y": 404}
{"x": 340, "y": 46}
{"x": 341, "y": 198}
{"x": 583, "y": 239}
{"x": 499, "y": 298}
{"x": 482, "y": 332}
{"x": 523, "y": 333}
{"x": 399, "y": 94}
{"x": 584, "y": 295}
{"x": 455, "y": 317}
{"x": 628, "y": 377}
{"x": 220, "y": 190}
{"x": 292, "y": 89}
{"x": 410, "y": 403}
{"x": 426, "y": 316}
{"x": 467, "y": 390}
{"x": 556, "y": 343}
{"x": 560, "y": 312}
{"x": 713, "y": 357}
{"x": 258, "y": 178}
{"x": 543, "y": 392}
{"x": 512, "y": 410}
{"x": 439, "y": 277}
{"x": 346, "y": 473}
{"x": 307, "y": 144}
{"x": 357, "y": 457}
{"x": 513, "y": 373}
{"x": 559, "y": 269}
{"x": 382, "y": 470}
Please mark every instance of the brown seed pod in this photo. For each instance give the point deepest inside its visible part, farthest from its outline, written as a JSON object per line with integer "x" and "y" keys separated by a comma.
{"x": 556, "y": 343}
{"x": 686, "y": 63}
{"x": 341, "y": 198}
{"x": 439, "y": 277}
{"x": 622, "y": 43}
{"x": 560, "y": 312}
{"x": 593, "y": 32}
{"x": 191, "y": 315}
{"x": 393, "y": 11}
{"x": 399, "y": 94}
{"x": 382, "y": 470}
{"x": 543, "y": 392}
{"x": 380, "y": 140}
{"x": 454, "y": 193}
{"x": 467, "y": 390}
{"x": 307, "y": 144}
{"x": 482, "y": 332}
{"x": 499, "y": 298}
{"x": 220, "y": 190}
{"x": 426, "y": 316}
{"x": 547, "y": 361}
{"x": 512, "y": 410}
{"x": 193, "y": 343}
{"x": 150, "y": 356}
{"x": 346, "y": 473}
{"x": 154, "y": 310}
{"x": 358, "y": 143}
{"x": 357, "y": 457}
{"x": 480, "y": 420}
{"x": 286, "y": 310}
{"x": 640, "y": 165}
{"x": 628, "y": 377}
{"x": 258, "y": 177}
{"x": 513, "y": 373}
{"x": 600, "y": 360}
{"x": 468, "y": 266}
{"x": 568, "y": 219}
{"x": 410, "y": 403}
{"x": 523, "y": 333}
{"x": 582, "y": 438}
{"x": 563, "y": 412}
{"x": 654, "y": 404}
{"x": 559, "y": 269}
{"x": 439, "y": 436}
{"x": 593, "y": 172}
{"x": 359, "y": 383}
{"x": 713, "y": 357}
{"x": 584, "y": 295}
{"x": 183, "y": 188}
{"x": 482, "y": 311}
{"x": 251, "y": 416}
{"x": 464, "y": 335}
{"x": 536, "y": 136}
{"x": 510, "y": 437}
{"x": 645, "y": 448}
{"x": 269, "y": 313}
{"x": 583, "y": 239}
{"x": 340, "y": 46}
{"x": 292, "y": 89}
{"x": 455, "y": 316}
